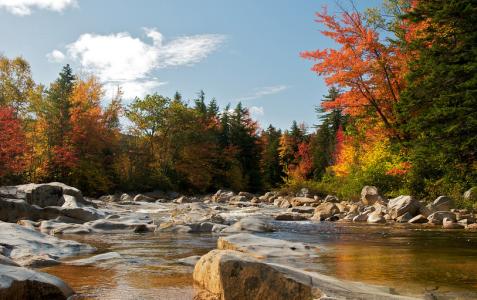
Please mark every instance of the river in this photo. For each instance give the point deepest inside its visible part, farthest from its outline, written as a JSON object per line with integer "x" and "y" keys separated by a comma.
{"x": 410, "y": 259}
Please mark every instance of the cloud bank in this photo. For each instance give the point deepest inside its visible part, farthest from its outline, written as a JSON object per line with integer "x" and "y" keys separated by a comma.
{"x": 127, "y": 61}
{"x": 26, "y": 7}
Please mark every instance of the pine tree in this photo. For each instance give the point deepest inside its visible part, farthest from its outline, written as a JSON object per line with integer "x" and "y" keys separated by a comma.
{"x": 439, "y": 106}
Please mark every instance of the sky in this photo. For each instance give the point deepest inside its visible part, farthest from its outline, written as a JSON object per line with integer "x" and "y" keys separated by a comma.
{"x": 245, "y": 50}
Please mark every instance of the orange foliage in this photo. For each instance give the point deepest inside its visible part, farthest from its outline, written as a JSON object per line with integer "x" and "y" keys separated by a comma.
{"x": 369, "y": 72}
{"x": 12, "y": 142}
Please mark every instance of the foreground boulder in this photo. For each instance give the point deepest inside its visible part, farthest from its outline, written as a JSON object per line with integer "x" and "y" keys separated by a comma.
{"x": 233, "y": 275}
{"x": 21, "y": 283}
{"x": 227, "y": 275}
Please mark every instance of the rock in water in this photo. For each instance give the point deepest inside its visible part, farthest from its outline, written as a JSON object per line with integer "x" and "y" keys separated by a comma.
{"x": 233, "y": 275}
{"x": 376, "y": 217}
{"x": 438, "y": 217}
{"x": 325, "y": 210}
{"x": 419, "y": 219}
{"x": 23, "y": 242}
{"x": 21, "y": 283}
{"x": 250, "y": 224}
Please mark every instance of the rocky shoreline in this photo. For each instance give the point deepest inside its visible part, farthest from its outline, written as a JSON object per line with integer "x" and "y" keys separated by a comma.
{"x": 244, "y": 266}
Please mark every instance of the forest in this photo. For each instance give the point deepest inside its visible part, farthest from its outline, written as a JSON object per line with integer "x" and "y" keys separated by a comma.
{"x": 400, "y": 114}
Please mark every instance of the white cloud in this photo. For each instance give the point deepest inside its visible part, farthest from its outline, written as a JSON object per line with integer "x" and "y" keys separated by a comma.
{"x": 55, "y": 56}
{"x": 25, "y": 7}
{"x": 264, "y": 91}
{"x": 121, "y": 59}
{"x": 257, "y": 111}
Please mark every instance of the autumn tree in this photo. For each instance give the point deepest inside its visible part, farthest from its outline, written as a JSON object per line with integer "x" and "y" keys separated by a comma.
{"x": 12, "y": 144}
{"x": 367, "y": 70}
{"x": 16, "y": 83}
{"x": 94, "y": 136}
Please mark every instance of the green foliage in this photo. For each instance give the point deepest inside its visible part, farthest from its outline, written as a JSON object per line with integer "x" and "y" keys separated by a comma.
{"x": 438, "y": 109}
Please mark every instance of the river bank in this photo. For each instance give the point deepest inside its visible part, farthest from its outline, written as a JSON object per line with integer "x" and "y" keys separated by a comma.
{"x": 149, "y": 249}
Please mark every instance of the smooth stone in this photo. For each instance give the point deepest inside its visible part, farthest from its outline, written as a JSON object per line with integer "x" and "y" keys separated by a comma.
{"x": 437, "y": 218}
{"x": 325, "y": 210}
{"x": 23, "y": 283}
{"x": 419, "y": 219}
{"x": 24, "y": 242}
{"x": 250, "y": 224}
{"x": 230, "y": 275}
{"x": 263, "y": 247}
{"x": 370, "y": 195}
{"x": 403, "y": 204}
{"x": 376, "y": 218}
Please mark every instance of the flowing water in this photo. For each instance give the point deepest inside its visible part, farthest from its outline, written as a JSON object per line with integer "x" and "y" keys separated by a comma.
{"x": 411, "y": 259}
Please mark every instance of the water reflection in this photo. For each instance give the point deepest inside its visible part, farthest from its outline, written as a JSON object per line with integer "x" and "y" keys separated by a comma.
{"x": 405, "y": 258}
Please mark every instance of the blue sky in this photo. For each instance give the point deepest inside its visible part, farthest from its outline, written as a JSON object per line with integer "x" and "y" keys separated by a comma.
{"x": 244, "y": 50}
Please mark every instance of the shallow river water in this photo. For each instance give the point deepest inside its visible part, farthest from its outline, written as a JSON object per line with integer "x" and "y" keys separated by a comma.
{"x": 408, "y": 259}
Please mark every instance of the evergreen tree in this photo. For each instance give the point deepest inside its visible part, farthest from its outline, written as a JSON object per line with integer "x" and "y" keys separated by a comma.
{"x": 57, "y": 116}
{"x": 272, "y": 172}
{"x": 438, "y": 109}
{"x": 323, "y": 143}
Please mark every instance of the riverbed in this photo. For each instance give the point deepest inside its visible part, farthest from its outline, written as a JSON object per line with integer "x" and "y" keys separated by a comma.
{"x": 410, "y": 259}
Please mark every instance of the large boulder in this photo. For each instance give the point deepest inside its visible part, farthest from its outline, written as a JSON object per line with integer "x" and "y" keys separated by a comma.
{"x": 13, "y": 210}
{"x": 20, "y": 283}
{"x": 227, "y": 275}
{"x": 233, "y": 275}
{"x": 325, "y": 210}
{"x": 263, "y": 247}
{"x": 403, "y": 204}
{"x": 370, "y": 195}
{"x": 442, "y": 203}
{"x": 45, "y": 194}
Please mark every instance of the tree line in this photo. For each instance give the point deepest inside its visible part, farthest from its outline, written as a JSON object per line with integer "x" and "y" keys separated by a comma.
{"x": 400, "y": 114}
